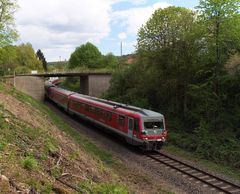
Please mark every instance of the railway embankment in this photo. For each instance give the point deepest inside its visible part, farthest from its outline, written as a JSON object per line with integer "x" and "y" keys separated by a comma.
{"x": 167, "y": 175}
{"x": 40, "y": 153}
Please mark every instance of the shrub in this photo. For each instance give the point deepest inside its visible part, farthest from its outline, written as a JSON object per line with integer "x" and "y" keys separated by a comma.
{"x": 107, "y": 188}
{"x": 29, "y": 163}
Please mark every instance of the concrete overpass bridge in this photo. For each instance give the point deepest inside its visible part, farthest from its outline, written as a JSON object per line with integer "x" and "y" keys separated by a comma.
{"x": 91, "y": 83}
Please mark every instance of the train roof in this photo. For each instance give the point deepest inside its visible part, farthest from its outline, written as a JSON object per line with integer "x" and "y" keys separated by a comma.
{"x": 115, "y": 105}
{"x": 63, "y": 91}
{"x": 112, "y": 104}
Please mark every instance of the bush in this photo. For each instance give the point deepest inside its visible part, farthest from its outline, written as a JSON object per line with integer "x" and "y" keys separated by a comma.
{"x": 110, "y": 189}
{"x": 221, "y": 147}
{"x": 29, "y": 163}
{"x": 107, "y": 188}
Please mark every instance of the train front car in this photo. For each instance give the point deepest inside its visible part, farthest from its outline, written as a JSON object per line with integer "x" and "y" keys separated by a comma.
{"x": 153, "y": 131}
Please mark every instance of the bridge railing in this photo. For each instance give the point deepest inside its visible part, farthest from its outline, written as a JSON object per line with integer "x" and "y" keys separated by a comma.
{"x": 63, "y": 73}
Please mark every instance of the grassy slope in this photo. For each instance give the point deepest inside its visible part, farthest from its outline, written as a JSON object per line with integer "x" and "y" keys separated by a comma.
{"x": 32, "y": 157}
{"x": 44, "y": 158}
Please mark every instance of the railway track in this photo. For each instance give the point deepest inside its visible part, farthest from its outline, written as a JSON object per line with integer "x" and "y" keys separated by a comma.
{"x": 213, "y": 182}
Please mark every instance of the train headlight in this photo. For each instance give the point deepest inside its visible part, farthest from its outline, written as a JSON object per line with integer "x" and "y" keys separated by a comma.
{"x": 144, "y": 132}
{"x": 145, "y": 138}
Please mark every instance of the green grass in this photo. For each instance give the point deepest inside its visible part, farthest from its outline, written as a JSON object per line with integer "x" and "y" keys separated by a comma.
{"x": 45, "y": 188}
{"x": 29, "y": 163}
{"x": 30, "y": 156}
{"x": 3, "y": 144}
{"x": 32, "y": 133}
{"x": 106, "y": 188}
{"x": 87, "y": 145}
{"x": 22, "y": 134}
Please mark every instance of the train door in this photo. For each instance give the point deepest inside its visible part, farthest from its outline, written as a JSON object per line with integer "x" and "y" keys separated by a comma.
{"x": 130, "y": 127}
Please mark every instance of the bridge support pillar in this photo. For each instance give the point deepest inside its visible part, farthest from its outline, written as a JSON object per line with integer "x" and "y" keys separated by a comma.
{"x": 33, "y": 86}
{"x": 94, "y": 85}
{"x": 84, "y": 85}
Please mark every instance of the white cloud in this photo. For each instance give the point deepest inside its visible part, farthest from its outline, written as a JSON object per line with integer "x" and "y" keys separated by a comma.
{"x": 134, "y": 2}
{"x": 58, "y": 26}
{"x": 134, "y": 18}
{"x": 67, "y": 22}
{"x": 122, "y": 36}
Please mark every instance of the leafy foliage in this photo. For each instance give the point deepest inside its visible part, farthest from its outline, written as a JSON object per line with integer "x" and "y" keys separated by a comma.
{"x": 21, "y": 59}
{"x": 109, "y": 61}
{"x": 165, "y": 28}
{"x": 189, "y": 71}
{"x": 86, "y": 55}
{"x": 8, "y": 59}
{"x": 8, "y": 32}
{"x": 42, "y": 58}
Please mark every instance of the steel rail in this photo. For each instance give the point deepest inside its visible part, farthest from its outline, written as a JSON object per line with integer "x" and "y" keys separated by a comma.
{"x": 226, "y": 183}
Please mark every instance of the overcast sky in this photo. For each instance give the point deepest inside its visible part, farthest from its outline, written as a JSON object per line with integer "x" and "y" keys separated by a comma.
{"x": 57, "y": 27}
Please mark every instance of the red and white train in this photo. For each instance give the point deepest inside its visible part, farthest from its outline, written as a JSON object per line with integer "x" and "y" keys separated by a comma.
{"x": 140, "y": 127}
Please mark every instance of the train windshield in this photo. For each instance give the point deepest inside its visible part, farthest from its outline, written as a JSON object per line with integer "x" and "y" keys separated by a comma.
{"x": 153, "y": 127}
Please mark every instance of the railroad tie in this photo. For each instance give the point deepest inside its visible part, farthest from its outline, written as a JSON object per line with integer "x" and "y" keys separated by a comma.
{"x": 235, "y": 191}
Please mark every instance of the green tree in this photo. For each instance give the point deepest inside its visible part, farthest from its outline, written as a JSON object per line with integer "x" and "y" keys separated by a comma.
{"x": 167, "y": 46}
{"x": 109, "y": 61}
{"x": 180, "y": 54}
{"x": 8, "y": 32}
{"x": 42, "y": 59}
{"x": 27, "y": 59}
{"x": 8, "y": 59}
{"x": 220, "y": 21}
{"x": 165, "y": 28}
{"x": 21, "y": 59}
{"x": 87, "y": 55}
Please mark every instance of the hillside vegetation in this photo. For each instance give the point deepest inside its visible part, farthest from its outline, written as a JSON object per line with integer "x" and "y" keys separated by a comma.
{"x": 188, "y": 68}
{"x": 36, "y": 155}
{"x": 41, "y": 153}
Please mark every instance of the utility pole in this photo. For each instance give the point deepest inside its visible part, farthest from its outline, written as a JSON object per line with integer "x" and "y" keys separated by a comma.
{"x": 14, "y": 75}
{"x": 121, "y": 48}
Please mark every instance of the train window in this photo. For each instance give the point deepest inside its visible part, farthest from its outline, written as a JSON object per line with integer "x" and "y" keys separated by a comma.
{"x": 101, "y": 113}
{"x": 64, "y": 99}
{"x": 130, "y": 124}
{"x": 136, "y": 124}
{"x": 72, "y": 103}
{"x": 104, "y": 114}
{"x": 121, "y": 120}
{"x": 153, "y": 125}
{"x": 109, "y": 116}
{"x": 96, "y": 111}
{"x": 78, "y": 105}
{"x": 87, "y": 107}
{"x": 83, "y": 106}
{"x": 92, "y": 109}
